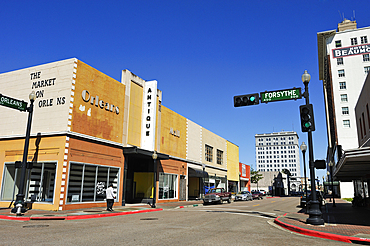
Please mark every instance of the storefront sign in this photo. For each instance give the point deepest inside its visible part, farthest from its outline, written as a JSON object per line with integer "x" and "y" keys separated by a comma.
{"x": 98, "y": 102}
{"x": 149, "y": 115}
{"x": 351, "y": 51}
{"x": 13, "y": 103}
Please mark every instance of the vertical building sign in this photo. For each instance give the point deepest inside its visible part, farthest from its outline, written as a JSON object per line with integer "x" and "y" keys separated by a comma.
{"x": 149, "y": 115}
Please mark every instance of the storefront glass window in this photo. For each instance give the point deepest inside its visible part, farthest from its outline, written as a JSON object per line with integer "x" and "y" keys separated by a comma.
{"x": 87, "y": 183}
{"x": 39, "y": 186}
{"x": 167, "y": 186}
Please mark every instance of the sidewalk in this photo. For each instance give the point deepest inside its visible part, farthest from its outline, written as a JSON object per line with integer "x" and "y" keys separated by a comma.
{"x": 342, "y": 223}
{"x": 89, "y": 213}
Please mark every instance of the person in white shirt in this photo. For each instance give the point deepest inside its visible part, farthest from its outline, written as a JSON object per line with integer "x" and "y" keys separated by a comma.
{"x": 109, "y": 195}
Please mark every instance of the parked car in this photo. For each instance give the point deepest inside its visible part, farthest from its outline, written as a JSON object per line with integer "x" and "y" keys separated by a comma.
{"x": 257, "y": 195}
{"x": 263, "y": 192}
{"x": 217, "y": 195}
{"x": 304, "y": 200}
{"x": 243, "y": 196}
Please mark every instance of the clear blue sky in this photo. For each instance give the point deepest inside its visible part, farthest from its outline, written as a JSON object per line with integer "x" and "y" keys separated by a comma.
{"x": 202, "y": 53}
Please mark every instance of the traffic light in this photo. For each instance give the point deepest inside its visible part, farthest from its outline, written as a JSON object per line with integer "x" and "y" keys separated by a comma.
{"x": 307, "y": 120}
{"x": 246, "y": 100}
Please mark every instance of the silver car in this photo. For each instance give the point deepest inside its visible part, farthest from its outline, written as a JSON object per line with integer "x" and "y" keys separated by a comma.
{"x": 243, "y": 196}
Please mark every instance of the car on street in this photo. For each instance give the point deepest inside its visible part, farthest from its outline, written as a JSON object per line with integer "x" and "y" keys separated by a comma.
{"x": 217, "y": 195}
{"x": 263, "y": 192}
{"x": 304, "y": 200}
{"x": 257, "y": 195}
{"x": 243, "y": 196}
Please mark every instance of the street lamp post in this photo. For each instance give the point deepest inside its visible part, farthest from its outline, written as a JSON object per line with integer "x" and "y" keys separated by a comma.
{"x": 155, "y": 156}
{"x": 328, "y": 175}
{"x": 303, "y": 149}
{"x": 315, "y": 215}
{"x": 19, "y": 204}
{"x": 331, "y": 164}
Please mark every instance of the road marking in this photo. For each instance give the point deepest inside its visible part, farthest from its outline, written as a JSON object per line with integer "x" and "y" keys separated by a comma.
{"x": 255, "y": 205}
{"x": 273, "y": 201}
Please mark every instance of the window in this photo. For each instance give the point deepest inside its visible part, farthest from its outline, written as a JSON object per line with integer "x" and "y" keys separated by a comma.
{"x": 167, "y": 186}
{"x": 342, "y": 85}
{"x": 220, "y": 157}
{"x": 340, "y": 61}
{"x": 338, "y": 44}
{"x": 353, "y": 41}
{"x": 346, "y": 123}
{"x": 368, "y": 116}
{"x": 366, "y": 70}
{"x": 345, "y": 110}
{"x": 364, "y": 40}
{"x": 341, "y": 73}
{"x": 87, "y": 183}
{"x": 41, "y": 185}
{"x": 209, "y": 153}
{"x": 365, "y": 57}
{"x": 343, "y": 98}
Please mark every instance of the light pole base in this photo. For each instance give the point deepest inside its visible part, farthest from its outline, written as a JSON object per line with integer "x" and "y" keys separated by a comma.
{"x": 315, "y": 215}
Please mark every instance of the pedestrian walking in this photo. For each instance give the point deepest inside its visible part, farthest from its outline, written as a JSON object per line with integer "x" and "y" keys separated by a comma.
{"x": 109, "y": 197}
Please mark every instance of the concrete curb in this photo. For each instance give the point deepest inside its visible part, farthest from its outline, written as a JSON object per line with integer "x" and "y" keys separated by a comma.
{"x": 77, "y": 217}
{"x": 325, "y": 235}
{"x": 188, "y": 206}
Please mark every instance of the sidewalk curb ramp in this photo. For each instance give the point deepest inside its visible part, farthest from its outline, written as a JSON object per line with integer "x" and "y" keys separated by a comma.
{"x": 325, "y": 235}
{"x": 77, "y": 217}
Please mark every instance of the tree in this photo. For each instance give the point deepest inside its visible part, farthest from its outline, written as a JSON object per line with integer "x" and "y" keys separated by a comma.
{"x": 256, "y": 176}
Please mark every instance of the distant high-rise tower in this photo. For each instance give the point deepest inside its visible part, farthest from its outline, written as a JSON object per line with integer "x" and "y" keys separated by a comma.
{"x": 277, "y": 151}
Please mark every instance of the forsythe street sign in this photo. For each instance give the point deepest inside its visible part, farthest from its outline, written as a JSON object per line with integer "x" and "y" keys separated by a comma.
{"x": 280, "y": 95}
{"x": 13, "y": 103}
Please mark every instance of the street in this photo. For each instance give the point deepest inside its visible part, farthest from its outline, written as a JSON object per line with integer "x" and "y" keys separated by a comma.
{"x": 238, "y": 223}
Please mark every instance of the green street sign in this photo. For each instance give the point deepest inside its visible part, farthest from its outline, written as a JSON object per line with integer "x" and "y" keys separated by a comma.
{"x": 13, "y": 103}
{"x": 280, "y": 95}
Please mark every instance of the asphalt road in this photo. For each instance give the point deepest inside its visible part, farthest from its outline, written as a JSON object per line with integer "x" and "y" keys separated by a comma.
{"x": 237, "y": 223}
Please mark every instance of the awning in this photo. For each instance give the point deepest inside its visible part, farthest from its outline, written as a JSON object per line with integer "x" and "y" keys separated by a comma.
{"x": 144, "y": 153}
{"x": 244, "y": 179}
{"x": 354, "y": 164}
{"x": 195, "y": 173}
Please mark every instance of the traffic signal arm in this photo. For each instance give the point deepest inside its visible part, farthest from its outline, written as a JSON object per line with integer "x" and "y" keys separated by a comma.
{"x": 246, "y": 100}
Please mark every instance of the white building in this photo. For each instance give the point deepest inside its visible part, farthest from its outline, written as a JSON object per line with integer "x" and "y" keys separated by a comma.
{"x": 277, "y": 151}
{"x": 344, "y": 63}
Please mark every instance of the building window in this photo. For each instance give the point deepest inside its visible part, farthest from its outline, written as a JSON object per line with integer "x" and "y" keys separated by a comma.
{"x": 368, "y": 116}
{"x": 87, "y": 183}
{"x": 41, "y": 185}
{"x": 167, "y": 186}
{"x": 340, "y": 61}
{"x": 345, "y": 110}
{"x": 346, "y": 123}
{"x": 220, "y": 157}
{"x": 353, "y": 41}
{"x": 366, "y": 70}
{"x": 341, "y": 73}
{"x": 364, "y": 40}
{"x": 209, "y": 153}
{"x": 343, "y": 98}
{"x": 342, "y": 85}
{"x": 365, "y": 57}
{"x": 338, "y": 44}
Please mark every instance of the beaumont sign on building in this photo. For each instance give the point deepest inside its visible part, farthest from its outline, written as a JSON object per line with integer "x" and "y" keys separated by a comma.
{"x": 286, "y": 94}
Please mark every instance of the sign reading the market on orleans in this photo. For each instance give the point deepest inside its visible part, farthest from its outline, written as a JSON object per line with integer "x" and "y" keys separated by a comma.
{"x": 351, "y": 51}
{"x": 280, "y": 95}
{"x": 13, "y": 103}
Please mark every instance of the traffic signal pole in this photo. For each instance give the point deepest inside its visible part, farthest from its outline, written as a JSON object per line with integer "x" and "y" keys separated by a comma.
{"x": 315, "y": 215}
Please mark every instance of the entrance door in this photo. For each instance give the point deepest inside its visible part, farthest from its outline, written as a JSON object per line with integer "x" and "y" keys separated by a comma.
{"x": 182, "y": 188}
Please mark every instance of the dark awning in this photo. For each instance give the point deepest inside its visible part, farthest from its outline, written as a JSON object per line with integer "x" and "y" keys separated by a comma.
{"x": 143, "y": 153}
{"x": 196, "y": 173}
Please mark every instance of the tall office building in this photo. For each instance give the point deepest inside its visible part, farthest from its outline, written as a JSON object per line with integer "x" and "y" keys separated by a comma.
{"x": 344, "y": 63}
{"x": 277, "y": 151}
